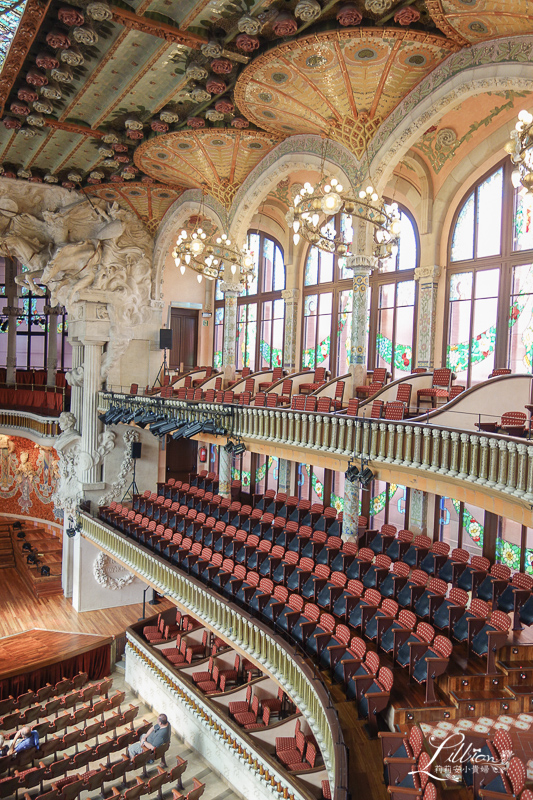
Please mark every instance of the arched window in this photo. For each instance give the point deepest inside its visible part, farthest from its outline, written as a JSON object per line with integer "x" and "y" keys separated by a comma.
{"x": 327, "y": 318}
{"x": 490, "y": 280}
{"x": 260, "y": 310}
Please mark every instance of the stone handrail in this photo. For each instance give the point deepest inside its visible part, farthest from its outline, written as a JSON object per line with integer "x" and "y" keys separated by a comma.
{"x": 501, "y": 464}
{"x": 31, "y": 423}
{"x": 278, "y": 658}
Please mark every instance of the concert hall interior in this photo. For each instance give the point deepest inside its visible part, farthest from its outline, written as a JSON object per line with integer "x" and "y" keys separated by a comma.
{"x": 266, "y": 399}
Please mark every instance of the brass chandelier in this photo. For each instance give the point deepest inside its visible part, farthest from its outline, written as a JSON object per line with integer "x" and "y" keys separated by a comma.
{"x": 520, "y": 148}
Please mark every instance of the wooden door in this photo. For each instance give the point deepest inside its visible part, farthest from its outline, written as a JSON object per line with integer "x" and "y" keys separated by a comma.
{"x": 181, "y": 458}
{"x": 184, "y": 326}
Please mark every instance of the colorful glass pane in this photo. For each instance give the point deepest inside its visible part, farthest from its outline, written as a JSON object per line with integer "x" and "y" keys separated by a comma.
{"x": 520, "y": 356}
{"x": 489, "y": 215}
{"x": 523, "y": 222}
{"x": 9, "y": 21}
{"x": 463, "y": 234}
{"x": 311, "y": 267}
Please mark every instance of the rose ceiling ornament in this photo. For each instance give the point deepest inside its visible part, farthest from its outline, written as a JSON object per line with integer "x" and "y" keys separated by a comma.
{"x": 248, "y": 24}
{"x": 308, "y": 10}
{"x": 196, "y": 72}
{"x": 99, "y": 11}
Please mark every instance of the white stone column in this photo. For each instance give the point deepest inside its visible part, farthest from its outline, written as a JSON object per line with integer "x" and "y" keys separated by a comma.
{"x": 350, "y": 513}
{"x": 285, "y": 474}
{"x": 51, "y": 359}
{"x": 67, "y": 560}
{"x": 427, "y": 278}
{"x": 292, "y": 304}
{"x": 76, "y": 382}
{"x": 92, "y": 381}
{"x": 418, "y": 512}
{"x": 224, "y": 472}
{"x": 11, "y": 312}
{"x": 362, "y": 266}
{"x": 229, "y": 354}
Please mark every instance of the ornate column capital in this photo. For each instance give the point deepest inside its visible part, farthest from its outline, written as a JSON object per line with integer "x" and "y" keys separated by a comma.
{"x": 362, "y": 262}
{"x": 11, "y": 311}
{"x": 231, "y": 288}
{"x": 429, "y": 272}
{"x": 291, "y": 295}
{"x": 53, "y": 311}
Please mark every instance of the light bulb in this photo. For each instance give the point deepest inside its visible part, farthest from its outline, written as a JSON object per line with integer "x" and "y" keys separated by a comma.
{"x": 224, "y": 237}
{"x": 525, "y": 116}
{"x": 182, "y": 269}
{"x": 339, "y": 187}
{"x": 178, "y": 261}
{"x": 199, "y": 278}
{"x": 369, "y": 189}
{"x": 334, "y": 181}
{"x": 184, "y": 234}
{"x": 187, "y": 258}
{"x": 296, "y": 225}
{"x": 297, "y": 199}
{"x": 248, "y": 261}
{"x": 228, "y": 241}
{"x": 375, "y": 197}
{"x": 219, "y": 240}
{"x": 199, "y": 230}
{"x": 515, "y": 178}
{"x": 327, "y": 188}
{"x": 329, "y": 202}
{"x": 203, "y": 235}
{"x": 308, "y": 187}
{"x": 396, "y": 227}
{"x": 215, "y": 261}
{"x": 315, "y": 219}
{"x": 519, "y": 126}
{"x": 296, "y": 238}
{"x": 194, "y": 236}
{"x": 233, "y": 269}
{"x": 362, "y": 194}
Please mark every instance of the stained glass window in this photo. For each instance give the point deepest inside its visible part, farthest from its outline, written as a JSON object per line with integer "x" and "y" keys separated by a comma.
{"x": 394, "y": 338}
{"x": 463, "y": 235}
{"x": 246, "y": 335}
{"x": 9, "y": 22}
{"x": 478, "y": 229}
{"x": 405, "y": 256}
{"x": 219, "y": 337}
{"x": 344, "y": 331}
{"x": 520, "y": 357}
{"x": 266, "y": 473}
{"x": 449, "y": 522}
{"x": 317, "y": 330}
{"x": 509, "y": 542}
{"x": 272, "y": 330}
{"x": 523, "y": 222}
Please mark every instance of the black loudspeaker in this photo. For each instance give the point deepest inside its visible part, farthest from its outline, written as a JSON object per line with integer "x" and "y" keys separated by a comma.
{"x": 136, "y": 448}
{"x": 165, "y": 338}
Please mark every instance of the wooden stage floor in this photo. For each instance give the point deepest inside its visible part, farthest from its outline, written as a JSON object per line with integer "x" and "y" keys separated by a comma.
{"x": 35, "y": 649}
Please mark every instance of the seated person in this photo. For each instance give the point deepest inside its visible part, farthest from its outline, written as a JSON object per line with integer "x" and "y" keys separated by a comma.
{"x": 23, "y": 740}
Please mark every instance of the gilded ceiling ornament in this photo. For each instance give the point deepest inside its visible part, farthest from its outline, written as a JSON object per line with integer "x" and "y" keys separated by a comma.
{"x": 50, "y": 178}
{"x": 19, "y": 108}
{"x": 43, "y": 106}
{"x": 211, "y": 49}
{"x": 63, "y": 74}
{"x": 27, "y": 133}
{"x": 24, "y": 173}
{"x": 221, "y": 66}
{"x": 52, "y": 91}
{"x": 118, "y": 147}
{"x": 248, "y": 24}
{"x": 110, "y": 138}
{"x": 224, "y": 105}
{"x": 57, "y": 39}
{"x": 247, "y": 43}
{"x": 110, "y": 163}
{"x": 135, "y": 134}
{"x": 85, "y": 35}
{"x": 35, "y": 179}
{"x": 196, "y": 122}
{"x": 213, "y": 115}
{"x": 73, "y": 56}
{"x": 46, "y": 60}
{"x": 35, "y": 119}
{"x": 93, "y": 181}
{"x": 75, "y": 177}
{"x": 70, "y": 16}
{"x": 12, "y": 123}
{"x": 133, "y": 124}
{"x": 159, "y": 126}
{"x": 97, "y": 175}
{"x": 378, "y": 6}
{"x": 308, "y": 10}
{"x": 167, "y": 115}
{"x": 406, "y": 15}
{"x": 68, "y": 185}
{"x": 99, "y": 11}
{"x": 36, "y": 78}
{"x": 285, "y": 24}
{"x": 28, "y": 94}
{"x": 196, "y": 72}
{"x": 199, "y": 94}
{"x": 239, "y": 122}
{"x": 215, "y": 85}
{"x": 122, "y": 158}
{"x": 348, "y": 15}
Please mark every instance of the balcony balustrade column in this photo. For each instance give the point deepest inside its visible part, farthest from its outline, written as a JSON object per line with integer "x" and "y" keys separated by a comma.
{"x": 260, "y": 414}
{"x": 398, "y": 438}
{"x": 427, "y": 277}
{"x": 292, "y": 299}
{"x": 290, "y": 437}
{"x": 229, "y": 353}
{"x": 474, "y": 454}
{"x": 521, "y": 470}
{"x": 224, "y": 473}
{"x": 493, "y": 462}
{"x": 511, "y": 467}
{"x": 408, "y": 446}
{"x": 350, "y": 512}
{"x": 333, "y": 434}
{"x": 365, "y": 449}
{"x": 255, "y": 420}
{"x": 502, "y": 465}
{"x": 483, "y": 460}
{"x": 382, "y": 448}
{"x": 341, "y": 436}
{"x": 284, "y": 427}
{"x": 417, "y": 447}
{"x": 465, "y": 447}
{"x": 374, "y": 441}
{"x": 358, "y": 435}
{"x": 297, "y": 428}
{"x": 391, "y": 443}
{"x": 435, "y": 450}
{"x": 454, "y": 465}
{"x": 426, "y": 449}
{"x": 529, "y": 491}
{"x": 278, "y": 426}
{"x": 324, "y": 439}
{"x": 285, "y": 472}
{"x": 349, "y": 437}
{"x": 303, "y": 433}
{"x": 313, "y": 442}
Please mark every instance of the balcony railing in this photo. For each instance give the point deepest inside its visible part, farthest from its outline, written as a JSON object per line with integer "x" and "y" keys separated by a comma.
{"x": 291, "y": 670}
{"x": 501, "y": 464}
{"x": 29, "y": 423}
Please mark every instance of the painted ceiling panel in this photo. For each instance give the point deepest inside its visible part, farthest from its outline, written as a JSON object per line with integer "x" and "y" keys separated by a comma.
{"x": 478, "y": 20}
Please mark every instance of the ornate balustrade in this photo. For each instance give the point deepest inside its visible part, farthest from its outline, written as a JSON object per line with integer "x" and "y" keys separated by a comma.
{"x": 45, "y": 427}
{"x": 294, "y": 672}
{"x": 496, "y": 465}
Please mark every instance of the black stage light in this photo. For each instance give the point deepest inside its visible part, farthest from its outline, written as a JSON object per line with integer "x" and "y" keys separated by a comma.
{"x": 116, "y": 417}
{"x": 71, "y": 532}
{"x": 352, "y": 473}
{"x": 209, "y": 426}
{"x": 169, "y": 427}
{"x": 179, "y": 433}
{"x": 192, "y": 429}
{"x": 103, "y": 417}
{"x": 128, "y": 416}
{"x": 239, "y": 448}
{"x": 45, "y": 570}
{"x": 147, "y": 418}
{"x": 139, "y": 414}
{"x": 228, "y": 447}
{"x": 26, "y": 546}
{"x": 366, "y": 476}
{"x": 155, "y": 426}
{"x": 31, "y": 559}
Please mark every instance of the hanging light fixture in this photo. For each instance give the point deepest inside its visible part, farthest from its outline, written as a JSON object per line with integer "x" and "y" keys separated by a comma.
{"x": 209, "y": 254}
{"x": 520, "y": 148}
{"x": 312, "y": 216}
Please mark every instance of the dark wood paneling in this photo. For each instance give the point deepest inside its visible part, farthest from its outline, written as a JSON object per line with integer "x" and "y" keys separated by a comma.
{"x": 184, "y": 326}
{"x": 181, "y": 458}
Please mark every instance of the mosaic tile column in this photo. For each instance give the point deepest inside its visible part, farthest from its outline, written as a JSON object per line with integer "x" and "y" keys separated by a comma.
{"x": 292, "y": 300}
{"x": 350, "y": 513}
{"x": 428, "y": 281}
{"x": 51, "y": 360}
{"x": 229, "y": 353}
{"x": 285, "y": 474}
{"x": 362, "y": 267}
{"x": 224, "y": 472}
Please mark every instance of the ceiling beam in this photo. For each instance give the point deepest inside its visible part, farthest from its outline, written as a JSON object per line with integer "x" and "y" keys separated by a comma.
{"x": 159, "y": 29}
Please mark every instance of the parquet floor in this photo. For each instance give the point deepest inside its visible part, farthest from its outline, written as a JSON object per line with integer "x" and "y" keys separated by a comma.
{"x": 20, "y": 611}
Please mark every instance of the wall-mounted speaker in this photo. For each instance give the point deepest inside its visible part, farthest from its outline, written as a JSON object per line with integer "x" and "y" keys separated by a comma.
{"x": 165, "y": 338}
{"x": 136, "y": 448}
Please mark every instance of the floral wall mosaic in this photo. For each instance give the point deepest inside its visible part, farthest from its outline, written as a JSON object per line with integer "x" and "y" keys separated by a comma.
{"x": 28, "y": 476}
